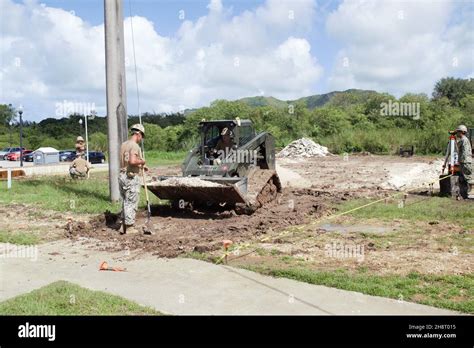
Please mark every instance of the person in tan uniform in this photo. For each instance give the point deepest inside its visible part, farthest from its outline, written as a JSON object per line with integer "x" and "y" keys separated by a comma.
{"x": 80, "y": 146}
{"x": 79, "y": 168}
{"x": 131, "y": 162}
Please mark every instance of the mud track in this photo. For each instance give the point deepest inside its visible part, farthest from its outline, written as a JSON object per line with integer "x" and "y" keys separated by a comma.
{"x": 178, "y": 231}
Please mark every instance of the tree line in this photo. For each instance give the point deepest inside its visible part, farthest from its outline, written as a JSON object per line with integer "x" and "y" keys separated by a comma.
{"x": 350, "y": 121}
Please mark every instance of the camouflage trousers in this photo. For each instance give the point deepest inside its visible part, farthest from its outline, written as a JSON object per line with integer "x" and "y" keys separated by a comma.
{"x": 130, "y": 192}
{"x": 75, "y": 174}
{"x": 466, "y": 170}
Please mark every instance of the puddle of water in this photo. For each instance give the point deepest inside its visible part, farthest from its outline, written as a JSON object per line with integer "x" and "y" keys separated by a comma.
{"x": 354, "y": 228}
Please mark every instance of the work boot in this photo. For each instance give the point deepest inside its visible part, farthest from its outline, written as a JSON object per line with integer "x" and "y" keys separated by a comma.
{"x": 132, "y": 230}
{"x": 117, "y": 225}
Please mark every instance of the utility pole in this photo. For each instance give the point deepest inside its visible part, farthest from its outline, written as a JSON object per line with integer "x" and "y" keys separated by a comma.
{"x": 116, "y": 89}
{"x": 87, "y": 139}
{"x": 11, "y": 125}
{"x": 20, "y": 111}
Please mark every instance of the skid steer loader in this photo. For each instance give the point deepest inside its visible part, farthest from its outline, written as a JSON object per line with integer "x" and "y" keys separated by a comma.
{"x": 239, "y": 176}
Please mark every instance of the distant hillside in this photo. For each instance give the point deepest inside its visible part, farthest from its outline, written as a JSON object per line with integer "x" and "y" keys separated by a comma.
{"x": 265, "y": 101}
{"x": 312, "y": 101}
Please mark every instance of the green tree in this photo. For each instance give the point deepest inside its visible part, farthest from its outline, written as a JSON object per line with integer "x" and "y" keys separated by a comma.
{"x": 7, "y": 114}
{"x": 453, "y": 89}
{"x": 330, "y": 120}
{"x": 98, "y": 142}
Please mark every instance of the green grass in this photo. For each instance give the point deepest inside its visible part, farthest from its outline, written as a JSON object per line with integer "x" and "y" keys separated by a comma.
{"x": 81, "y": 196}
{"x": 63, "y": 298}
{"x": 65, "y": 195}
{"x": 159, "y": 158}
{"x": 417, "y": 208}
{"x": 18, "y": 238}
{"x": 454, "y": 292}
{"x": 61, "y": 194}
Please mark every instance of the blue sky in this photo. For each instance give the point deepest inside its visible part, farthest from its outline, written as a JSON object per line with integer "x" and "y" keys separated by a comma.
{"x": 53, "y": 57}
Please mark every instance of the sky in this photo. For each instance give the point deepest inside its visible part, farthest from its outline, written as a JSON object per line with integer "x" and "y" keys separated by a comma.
{"x": 189, "y": 53}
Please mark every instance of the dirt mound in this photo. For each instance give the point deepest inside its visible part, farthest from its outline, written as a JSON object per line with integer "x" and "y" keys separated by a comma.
{"x": 303, "y": 148}
{"x": 182, "y": 231}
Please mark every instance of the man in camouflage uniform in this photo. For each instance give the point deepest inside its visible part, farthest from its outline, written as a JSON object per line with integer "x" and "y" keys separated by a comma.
{"x": 465, "y": 158}
{"x": 131, "y": 162}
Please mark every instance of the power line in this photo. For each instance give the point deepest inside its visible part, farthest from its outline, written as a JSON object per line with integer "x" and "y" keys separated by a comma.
{"x": 136, "y": 72}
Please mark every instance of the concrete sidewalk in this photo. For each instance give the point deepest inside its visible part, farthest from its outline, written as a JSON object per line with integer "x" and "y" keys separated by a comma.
{"x": 186, "y": 286}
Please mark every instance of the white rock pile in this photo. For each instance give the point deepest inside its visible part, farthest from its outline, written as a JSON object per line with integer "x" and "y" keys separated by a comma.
{"x": 303, "y": 147}
{"x": 185, "y": 182}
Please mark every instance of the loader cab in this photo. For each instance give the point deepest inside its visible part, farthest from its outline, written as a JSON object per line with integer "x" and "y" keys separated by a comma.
{"x": 211, "y": 134}
{"x": 210, "y": 137}
{"x": 246, "y": 132}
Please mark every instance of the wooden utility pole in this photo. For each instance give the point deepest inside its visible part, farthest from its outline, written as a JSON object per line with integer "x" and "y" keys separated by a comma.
{"x": 116, "y": 89}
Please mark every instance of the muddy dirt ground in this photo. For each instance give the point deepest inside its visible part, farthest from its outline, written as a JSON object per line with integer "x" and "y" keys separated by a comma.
{"x": 311, "y": 189}
{"x": 361, "y": 172}
{"x": 178, "y": 231}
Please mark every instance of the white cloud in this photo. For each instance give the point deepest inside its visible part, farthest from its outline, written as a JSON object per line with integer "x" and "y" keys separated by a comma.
{"x": 400, "y": 46}
{"x": 49, "y": 55}
{"x": 219, "y": 55}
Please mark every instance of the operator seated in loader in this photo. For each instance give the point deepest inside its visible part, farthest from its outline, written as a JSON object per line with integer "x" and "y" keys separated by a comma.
{"x": 224, "y": 145}
{"x": 225, "y": 140}
{"x": 465, "y": 159}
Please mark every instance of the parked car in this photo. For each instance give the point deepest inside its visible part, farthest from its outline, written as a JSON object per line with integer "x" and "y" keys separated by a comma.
{"x": 4, "y": 153}
{"x": 63, "y": 154}
{"x": 15, "y": 156}
{"x": 29, "y": 157}
{"x": 94, "y": 157}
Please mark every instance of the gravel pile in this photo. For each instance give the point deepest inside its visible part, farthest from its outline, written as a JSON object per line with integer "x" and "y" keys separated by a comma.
{"x": 303, "y": 147}
{"x": 185, "y": 182}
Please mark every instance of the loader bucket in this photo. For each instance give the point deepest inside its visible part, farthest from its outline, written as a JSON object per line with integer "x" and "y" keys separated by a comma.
{"x": 195, "y": 189}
